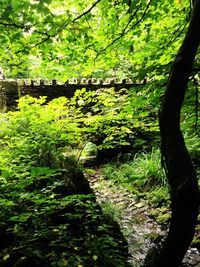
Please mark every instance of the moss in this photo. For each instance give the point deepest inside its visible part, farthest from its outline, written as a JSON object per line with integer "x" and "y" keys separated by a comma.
{"x": 161, "y": 215}
{"x": 159, "y": 196}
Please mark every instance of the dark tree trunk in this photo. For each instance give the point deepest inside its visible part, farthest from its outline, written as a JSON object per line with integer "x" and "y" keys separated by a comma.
{"x": 179, "y": 169}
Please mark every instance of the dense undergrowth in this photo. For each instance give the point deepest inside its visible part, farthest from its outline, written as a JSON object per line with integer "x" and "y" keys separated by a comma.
{"x": 142, "y": 175}
{"x": 49, "y": 215}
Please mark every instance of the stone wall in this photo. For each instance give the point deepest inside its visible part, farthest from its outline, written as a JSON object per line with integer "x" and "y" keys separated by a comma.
{"x": 10, "y": 91}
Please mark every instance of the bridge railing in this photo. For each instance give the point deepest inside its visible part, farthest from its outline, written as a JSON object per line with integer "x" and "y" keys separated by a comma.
{"x": 11, "y": 90}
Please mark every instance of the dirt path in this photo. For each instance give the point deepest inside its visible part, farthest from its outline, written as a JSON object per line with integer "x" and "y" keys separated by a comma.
{"x": 132, "y": 215}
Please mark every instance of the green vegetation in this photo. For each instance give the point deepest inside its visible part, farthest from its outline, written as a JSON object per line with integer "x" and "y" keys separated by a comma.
{"x": 49, "y": 214}
{"x": 48, "y": 38}
{"x": 142, "y": 175}
{"x": 44, "y": 195}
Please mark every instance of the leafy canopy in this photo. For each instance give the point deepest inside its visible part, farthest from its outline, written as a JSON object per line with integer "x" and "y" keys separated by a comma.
{"x": 83, "y": 38}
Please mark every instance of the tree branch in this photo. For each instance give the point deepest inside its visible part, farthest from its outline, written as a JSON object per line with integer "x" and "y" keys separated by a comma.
{"x": 77, "y": 18}
{"x": 87, "y": 11}
{"x": 173, "y": 39}
{"x": 48, "y": 36}
{"x": 63, "y": 26}
{"x": 125, "y": 30}
{"x": 13, "y": 25}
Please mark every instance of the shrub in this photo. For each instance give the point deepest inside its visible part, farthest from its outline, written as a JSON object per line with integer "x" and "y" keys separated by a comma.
{"x": 48, "y": 213}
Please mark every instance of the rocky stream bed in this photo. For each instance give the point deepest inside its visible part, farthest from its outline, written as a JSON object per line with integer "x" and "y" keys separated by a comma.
{"x": 133, "y": 216}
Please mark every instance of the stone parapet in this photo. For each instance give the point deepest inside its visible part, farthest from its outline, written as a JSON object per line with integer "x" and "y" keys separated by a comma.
{"x": 9, "y": 93}
{"x": 11, "y": 90}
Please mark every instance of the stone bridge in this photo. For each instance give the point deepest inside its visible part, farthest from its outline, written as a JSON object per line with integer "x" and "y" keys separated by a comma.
{"x": 11, "y": 90}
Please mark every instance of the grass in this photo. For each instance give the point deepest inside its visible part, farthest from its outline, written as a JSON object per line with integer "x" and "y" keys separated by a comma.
{"x": 142, "y": 175}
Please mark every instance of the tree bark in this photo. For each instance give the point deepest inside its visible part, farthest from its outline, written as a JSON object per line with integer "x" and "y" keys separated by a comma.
{"x": 180, "y": 172}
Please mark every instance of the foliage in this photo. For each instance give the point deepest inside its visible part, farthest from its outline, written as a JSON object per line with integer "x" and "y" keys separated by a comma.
{"x": 49, "y": 216}
{"x": 142, "y": 175}
{"x": 109, "y": 118}
{"x": 39, "y": 229}
{"x": 37, "y": 132}
{"x": 94, "y": 38}
{"x": 192, "y": 142}
{"x": 81, "y": 38}
{"x": 106, "y": 117}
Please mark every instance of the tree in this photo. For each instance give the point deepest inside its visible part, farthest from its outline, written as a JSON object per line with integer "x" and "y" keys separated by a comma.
{"x": 93, "y": 38}
{"x": 179, "y": 169}
{"x": 70, "y": 37}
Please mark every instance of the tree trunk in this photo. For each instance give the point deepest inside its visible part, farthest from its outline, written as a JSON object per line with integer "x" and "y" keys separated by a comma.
{"x": 179, "y": 169}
